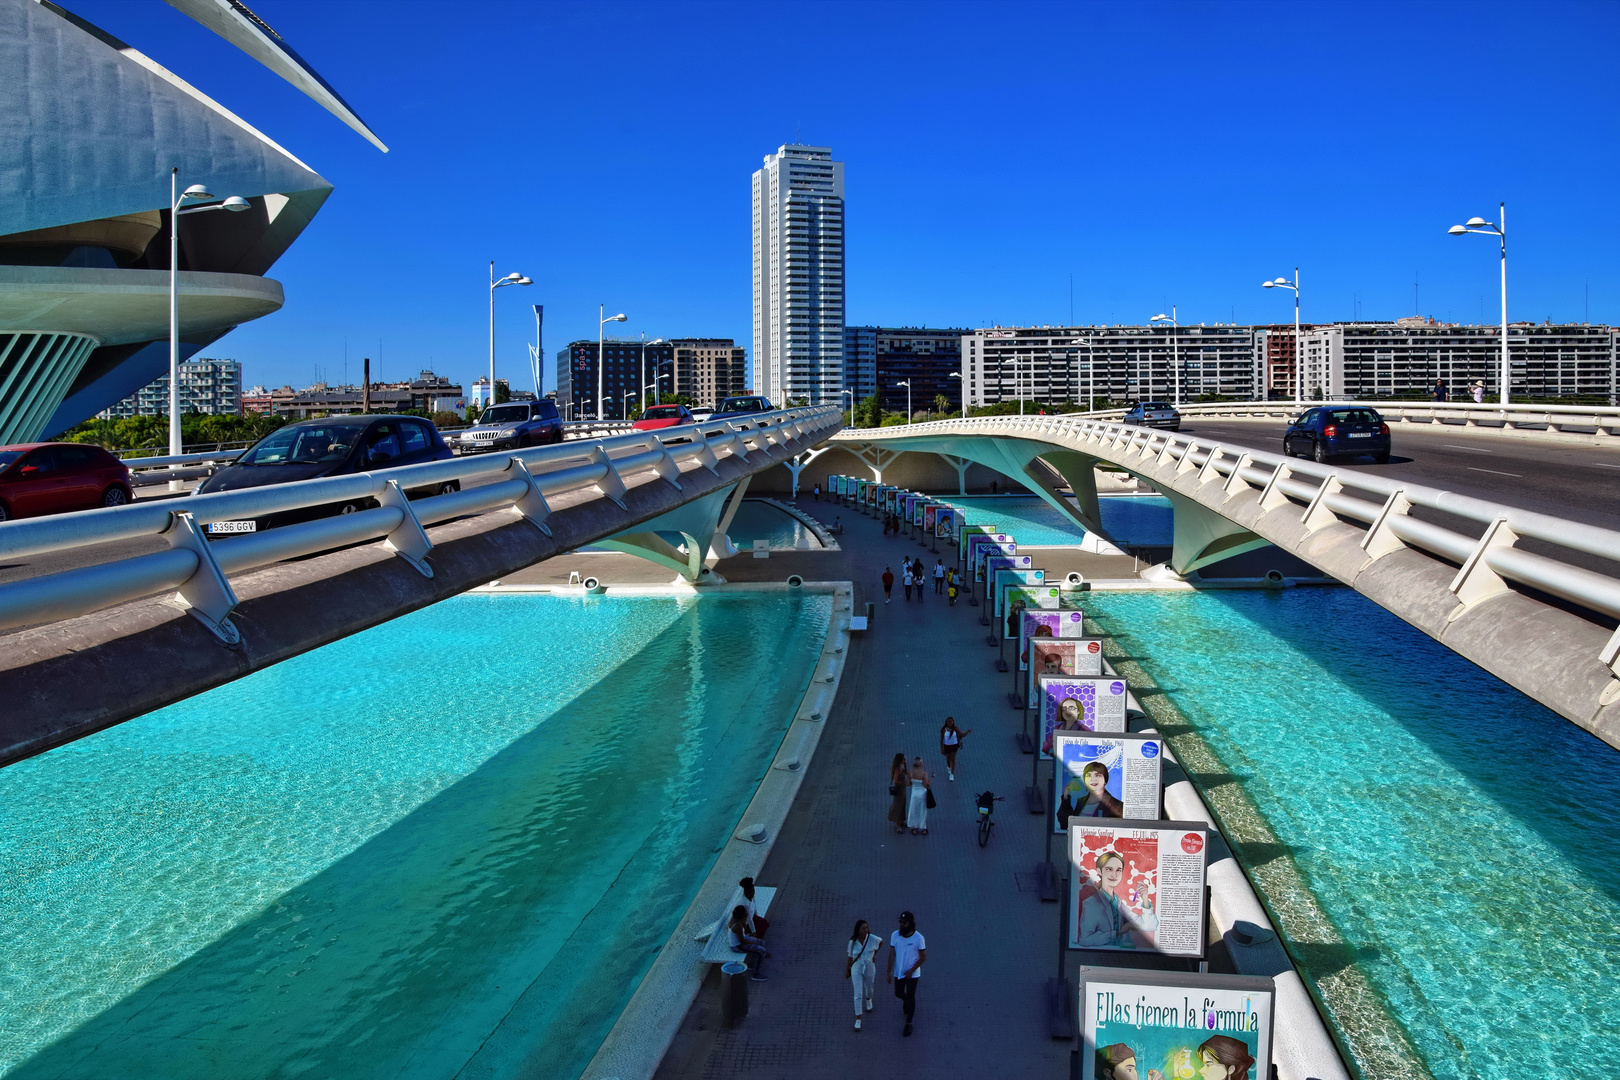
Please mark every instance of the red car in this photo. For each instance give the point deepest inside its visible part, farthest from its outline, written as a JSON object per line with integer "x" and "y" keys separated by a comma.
{"x": 51, "y": 478}
{"x": 662, "y": 416}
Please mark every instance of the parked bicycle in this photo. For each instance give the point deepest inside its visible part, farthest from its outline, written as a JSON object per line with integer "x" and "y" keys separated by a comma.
{"x": 987, "y": 804}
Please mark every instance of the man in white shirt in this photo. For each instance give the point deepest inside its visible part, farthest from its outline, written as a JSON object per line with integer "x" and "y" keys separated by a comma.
{"x": 939, "y": 576}
{"x": 907, "y": 951}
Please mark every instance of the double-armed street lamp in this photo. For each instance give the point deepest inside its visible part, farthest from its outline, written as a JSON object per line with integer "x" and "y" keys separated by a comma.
{"x": 1497, "y": 229}
{"x": 177, "y": 208}
{"x": 958, "y": 375}
{"x": 601, "y": 358}
{"x": 644, "y": 344}
{"x": 851, "y": 394}
{"x": 907, "y": 384}
{"x": 510, "y": 279}
{"x": 1299, "y": 353}
{"x": 1175, "y": 348}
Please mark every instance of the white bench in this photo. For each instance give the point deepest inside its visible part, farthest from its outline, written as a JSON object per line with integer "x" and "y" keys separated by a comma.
{"x": 719, "y": 950}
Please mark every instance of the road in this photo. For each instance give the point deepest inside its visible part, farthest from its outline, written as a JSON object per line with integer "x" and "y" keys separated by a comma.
{"x": 1574, "y": 482}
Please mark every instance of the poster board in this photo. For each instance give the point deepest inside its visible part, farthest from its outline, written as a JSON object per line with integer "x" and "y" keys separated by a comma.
{"x": 930, "y": 518}
{"x": 1175, "y": 1023}
{"x": 1005, "y": 570}
{"x": 1105, "y": 776}
{"x": 1060, "y": 656}
{"x": 965, "y": 533}
{"x": 1047, "y": 624}
{"x": 975, "y": 545}
{"x": 1017, "y": 599}
{"x": 946, "y": 520}
{"x": 1000, "y": 544}
{"x": 1078, "y": 703}
{"x": 917, "y": 510}
{"x": 1137, "y": 886}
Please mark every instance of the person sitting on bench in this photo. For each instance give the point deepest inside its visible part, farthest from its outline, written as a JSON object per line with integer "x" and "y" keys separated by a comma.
{"x": 744, "y": 942}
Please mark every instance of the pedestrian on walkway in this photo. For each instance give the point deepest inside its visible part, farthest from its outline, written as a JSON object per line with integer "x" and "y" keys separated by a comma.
{"x": 899, "y": 791}
{"x": 919, "y": 574}
{"x": 907, "y": 951}
{"x": 818, "y": 493}
{"x": 905, "y": 569}
{"x": 744, "y": 942}
{"x": 951, "y": 589}
{"x": 1478, "y": 390}
{"x": 917, "y": 800}
{"x": 939, "y": 576}
{"x": 950, "y": 741}
{"x": 888, "y": 584}
{"x": 1440, "y": 390}
{"x": 861, "y": 970}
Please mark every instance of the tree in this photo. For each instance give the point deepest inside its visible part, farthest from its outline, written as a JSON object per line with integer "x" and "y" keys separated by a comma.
{"x": 869, "y": 413}
{"x": 942, "y": 404}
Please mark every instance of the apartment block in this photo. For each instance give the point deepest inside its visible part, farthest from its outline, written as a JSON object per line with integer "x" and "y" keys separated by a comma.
{"x": 211, "y": 387}
{"x": 708, "y": 370}
{"x": 798, "y": 272}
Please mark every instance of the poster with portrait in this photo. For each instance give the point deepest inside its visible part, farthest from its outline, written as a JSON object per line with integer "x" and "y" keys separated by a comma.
{"x": 917, "y": 511}
{"x": 1048, "y": 624}
{"x": 975, "y": 549}
{"x": 930, "y": 517}
{"x": 1017, "y": 599}
{"x": 945, "y": 522}
{"x": 1004, "y": 570}
{"x": 1061, "y": 656}
{"x": 1116, "y": 775}
{"x": 1137, "y": 886}
{"x": 1077, "y": 703}
{"x": 1000, "y": 544}
{"x": 966, "y": 532}
{"x": 1180, "y": 1025}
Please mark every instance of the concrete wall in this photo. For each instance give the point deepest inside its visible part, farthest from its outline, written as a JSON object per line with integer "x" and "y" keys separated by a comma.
{"x": 925, "y": 472}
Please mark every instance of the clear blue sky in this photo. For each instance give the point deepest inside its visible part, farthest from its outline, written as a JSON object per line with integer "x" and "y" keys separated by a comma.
{"x": 1159, "y": 153}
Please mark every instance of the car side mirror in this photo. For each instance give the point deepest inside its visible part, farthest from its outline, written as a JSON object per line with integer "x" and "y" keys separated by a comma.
{"x": 30, "y": 470}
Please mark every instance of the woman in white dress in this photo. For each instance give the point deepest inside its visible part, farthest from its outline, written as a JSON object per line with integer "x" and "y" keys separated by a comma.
{"x": 917, "y": 805}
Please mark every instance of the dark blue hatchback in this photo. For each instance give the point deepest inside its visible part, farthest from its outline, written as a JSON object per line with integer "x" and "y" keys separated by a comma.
{"x": 1338, "y": 431}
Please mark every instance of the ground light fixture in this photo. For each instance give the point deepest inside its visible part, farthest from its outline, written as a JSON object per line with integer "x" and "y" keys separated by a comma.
{"x": 177, "y": 207}
{"x": 601, "y": 358}
{"x": 509, "y": 279}
{"x": 1497, "y": 229}
{"x": 1299, "y": 355}
{"x": 1175, "y": 348}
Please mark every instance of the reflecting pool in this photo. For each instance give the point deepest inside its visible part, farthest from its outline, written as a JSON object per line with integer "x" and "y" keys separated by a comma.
{"x": 455, "y": 841}
{"x": 1129, "y": 519}
{"x": 1449, "y": 826}
{"x": 759, "y": 520}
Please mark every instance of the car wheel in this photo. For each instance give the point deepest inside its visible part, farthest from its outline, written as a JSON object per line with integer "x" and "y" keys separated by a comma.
{"x": 1383, "y": 458}
{"x": 114, "y": 496}
{"x": 5, "y": 514}
{"x": 523, "y": 442}
{"x": 1288, "y": 448}
{"x": 449, "y": 486}
{"x": 349, "y": 508}
{"x": 1322, "y": 456}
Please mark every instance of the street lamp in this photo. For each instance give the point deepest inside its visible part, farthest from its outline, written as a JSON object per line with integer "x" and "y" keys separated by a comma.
{"x": 601, "y": 359}
{"x": 509, "y": 279}
{"x": 958, "y": 375}
{"x": 851, "y": 394}
{"x": 644, "y": 344}
{"x": 1091, "y": 379}
{"x": 1175, "y": 348}
{"x": 177, "y": 199}
{"x": 1499, "y": 230}
{"x": 907, "y": 384}
{"x": 1299, "y": 354}
{"x": 626, "y": 404}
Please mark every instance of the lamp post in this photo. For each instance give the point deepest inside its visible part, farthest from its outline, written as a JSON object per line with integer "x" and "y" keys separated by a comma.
{"x": 1299, "y": 353}
{"x": 851, "y": 394}
{"x": 601, "y": 359}
{"x": 1498, "y": 229}
{"x": 958, "y": 375}
{"x": 626, "y": 403}
{"x": 509, "y": 279}
{"x": 1091, "y": 380}
{"x": 1175, "y": 349}
{"x": 907, "y": 384}
{"x": 644, "y": 344}
{"x": 653, "y": 386}
{"x": 177, "y": 199}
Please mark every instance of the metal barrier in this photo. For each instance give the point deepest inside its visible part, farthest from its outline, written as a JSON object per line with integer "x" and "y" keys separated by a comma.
{"x": 199, "y": 569}
{"x": 1604, "y": 419}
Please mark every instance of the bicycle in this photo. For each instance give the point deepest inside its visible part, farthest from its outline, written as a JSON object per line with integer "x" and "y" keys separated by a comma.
{"x": 986, "y": 803}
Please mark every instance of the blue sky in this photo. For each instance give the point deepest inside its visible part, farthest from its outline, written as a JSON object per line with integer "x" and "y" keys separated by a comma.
{"x": 1158, "y": 153}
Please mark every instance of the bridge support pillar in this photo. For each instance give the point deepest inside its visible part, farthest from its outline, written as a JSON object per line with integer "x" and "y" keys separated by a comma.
{"x": 960, "y": 464}
{"x": 701, "y": 525}
{"x": 1203, "y": 536}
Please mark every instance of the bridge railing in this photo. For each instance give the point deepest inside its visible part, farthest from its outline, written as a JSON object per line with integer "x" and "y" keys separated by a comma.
{"x": 1485, "y": 561}
{"x": 1604, "y": 419}
{"x": 200, "y": 568}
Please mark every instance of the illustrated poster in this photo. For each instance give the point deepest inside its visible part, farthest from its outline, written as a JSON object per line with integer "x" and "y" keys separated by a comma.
{"x": 945, "y": 523}
{"x": 1061, "y": 656}
{"x": 976, "y": 546}
{"x": 1137, "y": 886}
{"x": 1047, "y": 624}
{"x": 1004, "y": 570}
{"x": 1074, "y": 703}
{"x": 1177, "y": 1025}
{"x": 1104, "y": 776}
{"x": 966, "y": 533}
{"x": 1005, "y": 545}
{"x": 1016, "y": 599}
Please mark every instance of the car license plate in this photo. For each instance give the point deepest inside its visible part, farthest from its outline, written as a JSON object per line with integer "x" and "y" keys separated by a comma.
{"x": 217, "y": 527}
{"x": 1361, "y": 434}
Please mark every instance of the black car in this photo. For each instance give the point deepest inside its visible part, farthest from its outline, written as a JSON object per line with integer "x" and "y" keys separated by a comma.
{"x": 334, "y": 446}
{"x": 1337, "y": 431}
{"x": 743, "y": 405}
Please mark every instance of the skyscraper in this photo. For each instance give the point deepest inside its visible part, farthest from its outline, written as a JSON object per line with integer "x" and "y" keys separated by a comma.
{"x": 799, "y": 276}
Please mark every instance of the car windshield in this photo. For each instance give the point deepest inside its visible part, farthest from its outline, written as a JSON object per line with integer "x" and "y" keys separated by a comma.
{"x": 304, "y": 445}
{"x": 1353, "y": 416}
{"x": 8, "y": 456}
{"x": 505, "y": 414}
{"x": 663, "y": 412}
{"x": 738, "y": 404}
{"x": 1154, "y": 405}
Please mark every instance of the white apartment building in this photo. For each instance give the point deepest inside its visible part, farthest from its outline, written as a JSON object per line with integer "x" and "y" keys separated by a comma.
{"x": 799, "y": 276}
{"x": 210, "y": 387}
{"x": 1110, "y": 363}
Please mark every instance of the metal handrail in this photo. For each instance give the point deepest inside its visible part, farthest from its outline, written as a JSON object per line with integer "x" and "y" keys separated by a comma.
{"x": 1308, "y": 482}
{"x": 1518, "y": 412}
{"x": 529, "y": 477}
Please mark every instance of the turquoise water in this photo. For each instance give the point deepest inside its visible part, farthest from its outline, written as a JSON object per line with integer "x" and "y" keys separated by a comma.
{"x": 454, "y": 841}
{"x": 1450, "y": 826}
{"x": 1144, "y": 519}
{"x": 757, "y": 520}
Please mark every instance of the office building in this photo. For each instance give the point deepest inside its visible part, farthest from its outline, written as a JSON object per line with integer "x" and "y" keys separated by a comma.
{"x": 798, "y": 224}
{"x": 1110, "y": 363}
{"x": 860, "y": 361}
{"x": 210, "y": 387}
{"x": 631, "y": 365}
{"x": 706, "y": 370}
{"x": 877, "y": 359}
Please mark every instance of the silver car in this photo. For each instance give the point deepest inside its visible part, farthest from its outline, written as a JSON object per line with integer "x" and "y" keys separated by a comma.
{"x": 1155, "y": 414}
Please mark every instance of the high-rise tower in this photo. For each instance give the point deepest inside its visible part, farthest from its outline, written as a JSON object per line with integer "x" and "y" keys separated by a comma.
{"x": 799, "y": 276}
